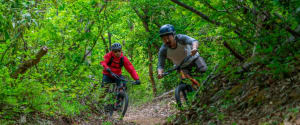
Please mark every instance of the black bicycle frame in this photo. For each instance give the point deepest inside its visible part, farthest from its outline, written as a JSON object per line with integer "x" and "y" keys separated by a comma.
{"x": 178, "y": 68}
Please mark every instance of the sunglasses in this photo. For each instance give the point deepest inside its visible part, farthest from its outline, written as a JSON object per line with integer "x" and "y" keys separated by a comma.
{"x": 115, "y": 51}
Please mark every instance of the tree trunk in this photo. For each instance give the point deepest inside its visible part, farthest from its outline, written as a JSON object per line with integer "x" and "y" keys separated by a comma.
{"x": 28, "y": 64}
{"x": 208, "y": 19}
{"x": 202, "y": 15}
{"x": 105, "y": 44}
{"x": 109, "y": 40}
{"x": 151, "y": 72}
{"x": 145, "y": 21}
{"x": 237, "y": 55}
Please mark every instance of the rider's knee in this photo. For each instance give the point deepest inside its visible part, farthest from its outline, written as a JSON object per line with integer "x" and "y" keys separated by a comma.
{"x": 203, "y": 69}
{"x": 201, "y": 65}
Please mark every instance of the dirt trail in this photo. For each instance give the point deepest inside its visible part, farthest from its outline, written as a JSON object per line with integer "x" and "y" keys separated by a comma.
{"x": 152, "y": 113}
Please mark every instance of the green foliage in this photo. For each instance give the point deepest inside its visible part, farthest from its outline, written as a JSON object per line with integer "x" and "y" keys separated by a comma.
{"x": 64, "y": 82}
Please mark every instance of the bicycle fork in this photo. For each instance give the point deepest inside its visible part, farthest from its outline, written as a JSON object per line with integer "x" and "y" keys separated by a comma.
{"x": 194, "y": 81}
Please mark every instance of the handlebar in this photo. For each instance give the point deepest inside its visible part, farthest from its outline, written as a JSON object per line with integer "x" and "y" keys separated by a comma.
{"x": 178, "y": 67}
{"x": 122, "y": 79}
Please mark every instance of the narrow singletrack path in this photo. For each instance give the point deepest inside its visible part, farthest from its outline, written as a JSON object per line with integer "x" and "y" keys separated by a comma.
{"x": 154, "y": 112}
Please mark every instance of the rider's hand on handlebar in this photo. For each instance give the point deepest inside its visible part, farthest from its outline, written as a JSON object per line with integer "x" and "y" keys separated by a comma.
{"x": 194, "y": 51}
{"x": 111, "y": 73}
{"x": 109, "y": 70}
{"x": 159, "y": 76}
{"x": 160, "y": 73}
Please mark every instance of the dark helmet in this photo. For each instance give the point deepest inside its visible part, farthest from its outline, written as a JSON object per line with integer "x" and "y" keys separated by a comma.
{"x": 116, "y": 46}
{"x": 166, "y": 30}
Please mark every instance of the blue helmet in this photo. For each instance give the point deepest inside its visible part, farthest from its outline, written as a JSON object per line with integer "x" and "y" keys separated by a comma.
{"x": 166, "y": 29}
{"x": 116, "y": 46}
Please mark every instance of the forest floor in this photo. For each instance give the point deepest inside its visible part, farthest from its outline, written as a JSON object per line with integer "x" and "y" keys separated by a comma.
{"x": 154, "y": 112}
{"x": 161, "y": 110}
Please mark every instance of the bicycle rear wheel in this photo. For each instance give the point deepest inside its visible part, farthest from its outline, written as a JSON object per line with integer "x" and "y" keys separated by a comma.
{"x": 181, "y": 92}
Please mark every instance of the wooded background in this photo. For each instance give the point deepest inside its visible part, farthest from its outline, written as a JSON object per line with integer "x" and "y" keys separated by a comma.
{"x": 51, "y": 49}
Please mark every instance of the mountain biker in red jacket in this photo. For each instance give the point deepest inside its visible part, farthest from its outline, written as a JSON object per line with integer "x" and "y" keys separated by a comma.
{"x": 113, "y": 63}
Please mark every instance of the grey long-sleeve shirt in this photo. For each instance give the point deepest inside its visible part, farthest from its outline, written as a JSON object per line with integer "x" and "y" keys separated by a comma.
{"x": 176, "y": 55}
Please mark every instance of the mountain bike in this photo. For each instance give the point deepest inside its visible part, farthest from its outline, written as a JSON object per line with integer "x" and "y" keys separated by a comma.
{"x": 119, "y": 96}
{"x": 183, "y": 89}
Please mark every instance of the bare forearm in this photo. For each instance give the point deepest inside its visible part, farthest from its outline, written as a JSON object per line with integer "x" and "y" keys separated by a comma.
{"x": 160, "y": 71}
{"x": 195, "y": 44}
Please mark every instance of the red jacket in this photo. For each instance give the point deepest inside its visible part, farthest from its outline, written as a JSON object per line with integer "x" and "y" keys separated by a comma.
{"x": 115, "y": 66}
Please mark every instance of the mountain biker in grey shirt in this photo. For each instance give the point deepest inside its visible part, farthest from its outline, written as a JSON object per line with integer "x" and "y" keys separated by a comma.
{"x": 176, "y": 48}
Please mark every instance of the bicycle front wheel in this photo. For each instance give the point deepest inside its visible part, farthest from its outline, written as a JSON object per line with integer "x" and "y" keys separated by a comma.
{"x": 122, "y": 104}
{"x": 181, "y": 92}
